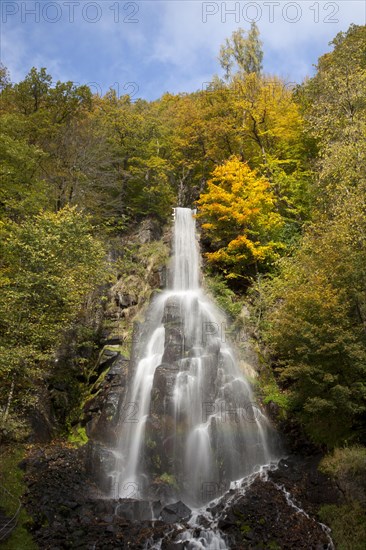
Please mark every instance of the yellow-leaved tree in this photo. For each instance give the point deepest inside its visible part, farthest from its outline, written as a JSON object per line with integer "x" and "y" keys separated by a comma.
{"x": 240, "y": 219}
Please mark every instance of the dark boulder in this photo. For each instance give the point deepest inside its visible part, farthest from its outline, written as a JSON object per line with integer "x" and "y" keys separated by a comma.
{"x": 176, "y": 512}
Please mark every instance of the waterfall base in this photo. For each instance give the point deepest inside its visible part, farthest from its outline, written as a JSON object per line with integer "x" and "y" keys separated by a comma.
{"x": 67, "y": 512}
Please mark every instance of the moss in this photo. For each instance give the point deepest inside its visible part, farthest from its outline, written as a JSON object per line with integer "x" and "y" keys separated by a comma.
{"x": 169, "y": 479}
{"x": 136, "y": 260}
{"x": 273, "y": 545}
{"x": 271, "y": 393}
{"x": 117, "y": 348}
{"x": 109, "y": 323}
{"x": 126, "y": 350}
{"x": 155, "y": 251}
{"x": 268, "y": 391}
{"x": 12, "y": 478}
{"x": 348, "y": 525}
{"x": 156, "y": 461}
{"x": 78, "y": 436}
{"x": 225, "y": 298}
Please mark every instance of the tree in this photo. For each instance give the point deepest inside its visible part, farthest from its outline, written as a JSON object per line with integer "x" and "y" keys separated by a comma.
{"x": 42, "y": 143}
{"x": 315, "y": 326}
{"x": 334, "y": 108}
{"x": 30, "y": 94}
{"x": 315, "y": 323}
{"x": 49, "y": 264}
{"x": 239, "y": 217}
{"x": 4, "y": 77}
{"x": 22, "y": 190}
{"x": 243, "y": 51}
{"x": 137, "y": 166}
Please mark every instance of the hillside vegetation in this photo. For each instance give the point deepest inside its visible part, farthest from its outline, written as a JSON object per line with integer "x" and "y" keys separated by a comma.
{"x": 278, "y": 177}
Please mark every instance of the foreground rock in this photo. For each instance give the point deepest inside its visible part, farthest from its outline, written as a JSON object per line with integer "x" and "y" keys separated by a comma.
{"x": 300, "y": 476}
{"x": 174, "y": 513}
{"x": 263, "y": 518}
{"x": 68, "y": 512}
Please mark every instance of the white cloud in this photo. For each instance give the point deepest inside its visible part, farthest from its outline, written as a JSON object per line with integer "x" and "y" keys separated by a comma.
{"x": 170, "y": 47}
{"x": 185, "y": 41}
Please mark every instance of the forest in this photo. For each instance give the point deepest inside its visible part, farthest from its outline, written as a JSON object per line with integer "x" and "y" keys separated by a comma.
{"x": 277, "y": 176}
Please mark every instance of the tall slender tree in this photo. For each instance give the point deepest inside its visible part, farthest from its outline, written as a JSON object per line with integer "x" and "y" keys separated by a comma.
{"x": 242, "y": 51}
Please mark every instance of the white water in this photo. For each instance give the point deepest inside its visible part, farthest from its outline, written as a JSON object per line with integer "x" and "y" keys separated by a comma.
{"x": 211, "y": 538}
{"x": 217, "y": 433}
{"x": 200, "y": 537}
{"x": 300, "y": 510}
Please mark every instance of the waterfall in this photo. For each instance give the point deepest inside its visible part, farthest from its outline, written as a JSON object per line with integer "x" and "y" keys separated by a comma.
{"x": 189, "y": 425}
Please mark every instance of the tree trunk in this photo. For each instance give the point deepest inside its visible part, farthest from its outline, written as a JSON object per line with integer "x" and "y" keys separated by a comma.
{"x": 8, "y": 403}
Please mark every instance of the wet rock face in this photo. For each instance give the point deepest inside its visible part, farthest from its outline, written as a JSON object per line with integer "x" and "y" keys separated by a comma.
{"x": 162, "y": 394}
{"x": 160, "y": 456}
{"x": 174, "y": 342}
{"x": 101, "y": 413}
{"x": 162, "y": 491}
{"x": 99, "y": 461}
{"x": 160, "y": 453}
{"x": 300, "y": 476}
{"x": 137, "y": 510}
{"x": 176, "y": 512}
{"x": 159, "y": 447}
{"x": 164, "y": 450}
{"x": 101, "y": 418}
{"x": 172, "y": 311}
{"x": 174, "y": 332}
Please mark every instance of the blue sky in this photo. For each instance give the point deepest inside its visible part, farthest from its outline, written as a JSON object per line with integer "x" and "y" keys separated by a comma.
{"x": 149, "y": 47}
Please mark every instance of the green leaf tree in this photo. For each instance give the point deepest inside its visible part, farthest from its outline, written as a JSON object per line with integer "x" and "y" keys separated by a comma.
{"x": 242, "y": 51}
{"x": 49, "y": 265}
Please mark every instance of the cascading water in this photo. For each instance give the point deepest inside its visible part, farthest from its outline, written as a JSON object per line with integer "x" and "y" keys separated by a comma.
{"x": 189, "y": 422}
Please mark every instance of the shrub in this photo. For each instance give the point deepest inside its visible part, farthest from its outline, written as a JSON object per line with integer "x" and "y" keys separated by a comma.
{"x": 349, "y": 461}
{"x": 348, "y": 525}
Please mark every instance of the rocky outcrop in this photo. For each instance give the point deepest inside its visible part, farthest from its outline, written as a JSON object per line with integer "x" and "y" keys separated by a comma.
{"x": 139, "y": 263}
{"x": 150, "y": 230}
{"x": 121, "y": 331}
{"x": 68, "y": 513}
{"x": 161, "y": 456}
{"x": 163, "y": 390}
{"x": 101, "y": 416}
{"x": 175, "y": 513}
{"x": 299, "y": 475}
{"x": 263, "y": 518}
{"x": 167, "y": 425}
{"x": 101, "y": 411}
